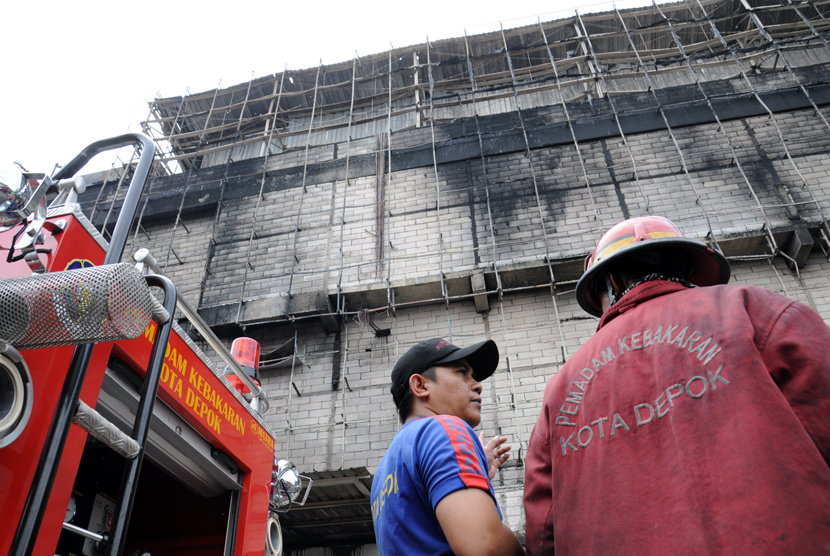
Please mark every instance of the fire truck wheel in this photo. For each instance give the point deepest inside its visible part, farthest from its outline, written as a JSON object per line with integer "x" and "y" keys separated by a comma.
{"x": 274, "y": 536}
{"x": 15, "y": 395}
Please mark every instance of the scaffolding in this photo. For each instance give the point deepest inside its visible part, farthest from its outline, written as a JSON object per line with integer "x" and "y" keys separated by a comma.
{"x": 361, "y": 106}
{"x": 582, "y": 57}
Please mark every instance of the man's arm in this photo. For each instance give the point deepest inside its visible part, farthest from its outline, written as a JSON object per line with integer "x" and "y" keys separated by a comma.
{"x": 797, "y": 354}
{"x": 472, "y": 525}
{"x": 538, "y": 487}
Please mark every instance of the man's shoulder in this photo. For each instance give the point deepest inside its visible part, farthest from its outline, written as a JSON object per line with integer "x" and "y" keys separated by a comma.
{"x": 759, "y": 303}
{"x": 440, "y": 425}
{"x": 413, "y": 434}
{"x": 435, "y": 436}
{"x": 429, "y": 445}
{"x": 746, "y": 291}
{"x": 754, "y": 300}
{"x": 755, "y": 291}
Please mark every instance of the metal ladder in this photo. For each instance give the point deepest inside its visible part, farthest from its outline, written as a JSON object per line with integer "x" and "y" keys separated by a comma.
{"x": 70, "y": 409}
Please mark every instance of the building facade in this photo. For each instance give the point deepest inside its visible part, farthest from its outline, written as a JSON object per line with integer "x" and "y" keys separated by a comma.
{"x": 343, "y": 213}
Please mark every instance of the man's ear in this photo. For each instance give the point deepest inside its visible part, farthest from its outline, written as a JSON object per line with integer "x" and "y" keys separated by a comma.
{"x": 617, "y": 282}
{"x": 420, "y": 386}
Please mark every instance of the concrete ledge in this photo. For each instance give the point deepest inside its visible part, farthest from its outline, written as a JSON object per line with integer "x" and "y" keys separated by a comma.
{"x": 459, "y": 285}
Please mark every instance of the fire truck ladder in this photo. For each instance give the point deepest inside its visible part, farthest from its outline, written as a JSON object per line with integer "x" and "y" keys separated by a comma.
{"x": 71, "y": 409}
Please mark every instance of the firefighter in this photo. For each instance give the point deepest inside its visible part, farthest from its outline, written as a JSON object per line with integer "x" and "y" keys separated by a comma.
{"x": 431, "y": 494}
{"x": 695, "y": 421}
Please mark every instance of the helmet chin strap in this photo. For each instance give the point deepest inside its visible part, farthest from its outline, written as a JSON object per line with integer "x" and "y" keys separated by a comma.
{"x": 610, "y": 291}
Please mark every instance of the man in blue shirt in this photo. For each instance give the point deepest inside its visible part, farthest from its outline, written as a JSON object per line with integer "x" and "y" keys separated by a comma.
{"x": 432, "y": 494}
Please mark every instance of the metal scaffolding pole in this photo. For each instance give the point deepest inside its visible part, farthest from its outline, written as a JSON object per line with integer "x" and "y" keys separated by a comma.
{"x": 346, "y": 182}
{"x": 808, "y": 23}
{"x": 685, "y": 168}
{"x": 529, "y": 155}
{"x": 757, "y": 21}
{"x": 259, "y": 197}
{"x": 483, "y": 168}
{"x": 390, "y": 296}
{"x": 182, "y": 106}
{"x": 569, "y": 124}
{"x": 98, "y": 199}
{"x": 226, "y": 110}
{"x": 186, "y": 186}
{"x": 722, "y": 129}
{"x": 380, "y": 178}
{"x": 598, "y": 70}
{"x": 302, "y": 195}
{"x": 291, "y": 389}
{"x": 117, "y": 191}
{"x": 499, "y": 290}
{"x": 221, "y": 201}
{"x": 444, "y": 291}
{"x": 757, "y": 97}
{"x": 825, "y": 230}
{"x": 780, "y": 52}
{"x": 149, "y": 189}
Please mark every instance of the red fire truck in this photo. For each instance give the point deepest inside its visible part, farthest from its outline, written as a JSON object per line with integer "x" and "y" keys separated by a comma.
{"x": 117, "y": 434}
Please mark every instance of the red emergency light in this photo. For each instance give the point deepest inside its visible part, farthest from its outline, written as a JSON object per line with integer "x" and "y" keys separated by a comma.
{"x": 246, "y": 352}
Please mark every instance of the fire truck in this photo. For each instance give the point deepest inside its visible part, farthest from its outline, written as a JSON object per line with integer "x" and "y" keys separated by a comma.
{"x": 118, "y": 435}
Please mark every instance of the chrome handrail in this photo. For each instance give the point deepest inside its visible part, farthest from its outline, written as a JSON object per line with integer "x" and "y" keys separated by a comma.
{"x": 259, "y": 401}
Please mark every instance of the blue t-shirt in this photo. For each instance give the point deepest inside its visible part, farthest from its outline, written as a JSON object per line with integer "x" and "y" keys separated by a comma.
{"x": 428, "y": 459}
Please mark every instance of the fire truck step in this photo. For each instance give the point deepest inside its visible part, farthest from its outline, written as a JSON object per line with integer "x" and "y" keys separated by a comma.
{"x": 96, "y": 425}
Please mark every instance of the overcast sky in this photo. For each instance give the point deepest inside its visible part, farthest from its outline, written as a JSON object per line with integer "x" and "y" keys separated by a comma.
{"x": 78, "y": 71}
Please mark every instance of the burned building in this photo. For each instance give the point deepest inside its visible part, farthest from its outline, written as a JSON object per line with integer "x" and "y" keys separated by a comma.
{"x": 342, "y": 213}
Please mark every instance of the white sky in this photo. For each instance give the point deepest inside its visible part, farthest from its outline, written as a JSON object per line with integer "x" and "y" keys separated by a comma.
{"x": 77, "y": 71}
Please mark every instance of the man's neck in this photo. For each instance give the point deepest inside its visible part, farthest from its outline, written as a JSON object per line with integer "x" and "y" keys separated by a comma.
{"x": 419, "y": 411}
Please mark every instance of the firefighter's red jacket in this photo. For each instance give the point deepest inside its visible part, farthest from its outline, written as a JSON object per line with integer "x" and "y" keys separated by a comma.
{"x": 695, "y": 421}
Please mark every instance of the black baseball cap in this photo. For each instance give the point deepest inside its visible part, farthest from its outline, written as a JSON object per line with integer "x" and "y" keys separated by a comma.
{"x": 483, "y": 357}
